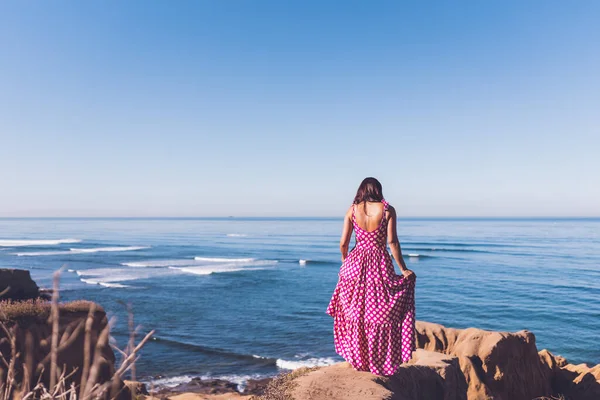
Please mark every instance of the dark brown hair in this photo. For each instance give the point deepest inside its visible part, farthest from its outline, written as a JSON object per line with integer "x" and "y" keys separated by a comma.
{"x": 369, "y": 190}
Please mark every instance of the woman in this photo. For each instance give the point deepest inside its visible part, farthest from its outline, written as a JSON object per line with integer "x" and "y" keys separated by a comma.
{"x": 373, "y": 308}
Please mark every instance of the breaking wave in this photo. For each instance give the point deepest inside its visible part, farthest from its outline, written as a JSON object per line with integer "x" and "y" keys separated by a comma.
{"x": 207, "y": 270}
{"x": 112, "y": 277}
{"x": 105, "y": 284}
{"x": 42, "y": 242}
{"x": 310, "y": 362}
{"x": 172, "y": 381}
{"x": 199, "y": 262}
{"x": 81, "y": 251}
{"x": 225, "y": 260}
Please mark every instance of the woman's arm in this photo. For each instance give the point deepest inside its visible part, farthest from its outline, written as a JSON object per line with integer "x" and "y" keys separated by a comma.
{"x": 346, "y": 234}
{"x": 394, "y": 243}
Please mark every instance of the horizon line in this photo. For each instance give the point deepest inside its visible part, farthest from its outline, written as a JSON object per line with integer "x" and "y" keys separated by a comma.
{"x": 301, "y": 217}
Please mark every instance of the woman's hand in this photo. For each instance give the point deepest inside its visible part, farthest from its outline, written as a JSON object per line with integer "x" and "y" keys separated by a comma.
{"x": 408, "y": 274}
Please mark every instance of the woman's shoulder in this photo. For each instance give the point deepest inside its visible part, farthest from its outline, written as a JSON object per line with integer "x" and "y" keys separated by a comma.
{"x": 350, "y": 210}
{"x": 390, "y": 209}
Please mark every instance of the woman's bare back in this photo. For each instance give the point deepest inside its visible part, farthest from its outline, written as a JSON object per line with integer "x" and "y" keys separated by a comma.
{"x": 368, "y": 215}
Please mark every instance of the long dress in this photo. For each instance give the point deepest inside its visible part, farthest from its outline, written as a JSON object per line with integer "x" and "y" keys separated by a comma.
{"x": 373, "y": 307}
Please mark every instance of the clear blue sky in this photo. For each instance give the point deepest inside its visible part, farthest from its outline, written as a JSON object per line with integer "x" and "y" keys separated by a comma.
{"x": 277, "y": 108}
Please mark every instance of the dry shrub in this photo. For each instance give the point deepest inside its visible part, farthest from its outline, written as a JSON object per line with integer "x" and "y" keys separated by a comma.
{"x": 13, "y": 313}
{"x": 39, "y": 309}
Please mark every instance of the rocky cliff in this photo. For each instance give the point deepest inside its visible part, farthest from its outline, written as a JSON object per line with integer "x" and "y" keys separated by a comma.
{"x": 26, "y": 342}
{"x": 452, "y": 364}
{"x": 16, "y": 284}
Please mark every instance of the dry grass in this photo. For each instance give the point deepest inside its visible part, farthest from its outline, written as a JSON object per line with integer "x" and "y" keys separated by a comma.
{"x": 280, "y": 388}
{"x": 89, "y": 387}
{"x": 40, "y": 309}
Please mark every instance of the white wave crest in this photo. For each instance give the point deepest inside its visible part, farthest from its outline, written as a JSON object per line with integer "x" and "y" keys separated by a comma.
{"x": 311, "y": 362}
{"x": 198, "y": 261}
{"x": 236, "y": 235}
{"x": 43, "y": 253}
{"x": 110, "y": 277}
{"x": 44, "y": 242}
{"x": 105, "y": 284}
{"x": 302, "y": 262}
{"x": 215, "y": 269}
{"x": 414, "y": 255}
{"x": 109, "y": 249}
{"x": 225, "y": 260}
{"x": 205, "y": 265}
{"x": 157, "y": 263}
{"x": 170, "y": 382}
{"x": 82, "y": 251}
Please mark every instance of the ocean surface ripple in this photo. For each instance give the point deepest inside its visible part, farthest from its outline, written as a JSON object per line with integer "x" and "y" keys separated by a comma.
{"x": 241, "y": 298}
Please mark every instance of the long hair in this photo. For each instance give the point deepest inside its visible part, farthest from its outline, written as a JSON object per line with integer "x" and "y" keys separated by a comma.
{"x": 369, "y": 190}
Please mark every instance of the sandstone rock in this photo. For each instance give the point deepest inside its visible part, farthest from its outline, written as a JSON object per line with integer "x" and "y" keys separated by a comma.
{"x": 502, "y": 365}
{"x": 16, "y": 284}
{"x": 595, "y": 371}
{"x": 551, "y": 360}
{"x": 577, "y": 382}
{"x": 454, "y": 364}
{"x": 429, "y": 376}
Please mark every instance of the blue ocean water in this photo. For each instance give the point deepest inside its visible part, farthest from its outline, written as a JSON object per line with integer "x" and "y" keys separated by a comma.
{"x": 239, "y": 298}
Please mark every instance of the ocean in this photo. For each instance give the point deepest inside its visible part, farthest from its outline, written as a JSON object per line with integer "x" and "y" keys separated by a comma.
{"x": 240, "y": 298}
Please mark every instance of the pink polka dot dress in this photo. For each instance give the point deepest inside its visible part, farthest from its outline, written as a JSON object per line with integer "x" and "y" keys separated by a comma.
{"x": 373, "y": 307}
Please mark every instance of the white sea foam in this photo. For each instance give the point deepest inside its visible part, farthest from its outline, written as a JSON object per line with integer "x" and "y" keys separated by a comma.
{"x": 44, "y": 242}
{"x": 169, "y": 382}
{"x": 204, "y": 265}
{"x": 198, "y": 262}
{"x": 239, "y": 380}
{"x": 225, "y": 260}
{"x": 81, "y": 251}
{"x": 236, "y": 235}
{"x": 43, "y": 253}
{"x": 102, "y": 283}
{"x": 207, "y": 270}
{"x": 414, "y": 255}
{"x": 114, "y": 274}
{"x": 311, "y": 362}
{"x": 173, "y": 381}
{"x": 157, "y": 263}
{"x": 110, "y": 277}
{"x": 109, "y": 249}
{"x": 302, "y": 262}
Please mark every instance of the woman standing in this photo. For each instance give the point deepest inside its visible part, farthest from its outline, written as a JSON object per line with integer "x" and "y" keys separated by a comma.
{"x": 373, "y": 307}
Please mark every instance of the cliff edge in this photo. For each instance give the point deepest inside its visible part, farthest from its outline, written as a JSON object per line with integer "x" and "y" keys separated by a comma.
{"x": 451, "y": 364}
